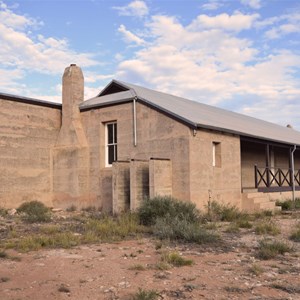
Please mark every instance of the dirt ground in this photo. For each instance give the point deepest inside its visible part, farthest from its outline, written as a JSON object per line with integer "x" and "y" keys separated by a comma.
{"x": 118, "y": 270}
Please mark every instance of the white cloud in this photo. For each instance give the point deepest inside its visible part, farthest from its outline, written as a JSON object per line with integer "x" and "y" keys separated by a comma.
{"x": 28, "y": 52}
{"x": 9, "y": 78}
{"x": 14, "y": 21}
{"x": 206, "y": 60}
{"x": 212, "y": 5}
{"x": 282, "y": 30}
{"x": 255, "y": 4}
{"x": 281, "y": 26}
{"x": 135, "y": 8}
{"x": 130, "y": 37}
{"x": 235, "y": 22}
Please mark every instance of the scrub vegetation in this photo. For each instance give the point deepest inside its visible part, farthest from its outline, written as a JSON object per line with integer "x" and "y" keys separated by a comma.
{"x": 166, "y": 240}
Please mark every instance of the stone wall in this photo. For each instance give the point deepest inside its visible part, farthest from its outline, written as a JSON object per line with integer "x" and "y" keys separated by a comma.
{"x": 221, "y": 183}
{"x": 71, "y": 163}
{"x": 121, "y": 186}
{"x": 160, "y": 177}
{"x": 27, "y": 133}
{"x": 158, "y": 136}
{"x": 139, "y": 182}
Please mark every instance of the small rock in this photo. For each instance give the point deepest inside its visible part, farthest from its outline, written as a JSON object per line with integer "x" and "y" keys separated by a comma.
{"x": 56, "y": 209}
{"x": 12, "y": 212}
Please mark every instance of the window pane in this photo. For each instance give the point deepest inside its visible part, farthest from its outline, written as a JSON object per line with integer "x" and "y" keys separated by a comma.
{"x": 111, "y": 156}
{"x": 115, "y": 133}
{"x": 116, "y": 152}
{"x": 110, "y": 128}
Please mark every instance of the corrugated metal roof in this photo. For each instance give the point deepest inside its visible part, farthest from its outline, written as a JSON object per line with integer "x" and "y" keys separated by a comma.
{"x": 106, "y": 100}
{"x": 201, "y": 115}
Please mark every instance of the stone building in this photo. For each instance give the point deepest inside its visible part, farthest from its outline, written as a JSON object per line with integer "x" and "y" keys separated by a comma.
{"x": 130, "y": 142}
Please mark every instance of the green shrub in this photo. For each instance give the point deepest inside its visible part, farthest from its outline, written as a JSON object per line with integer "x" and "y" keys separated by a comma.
{"x": 182, "y": 229}
{"x": 233, "y": 228}
{"x": 289, "y": 204}
{"x": 295, "y": 236}
{"x": 244, "y": 223}
{"x": 256, "y": 269}
{"x": 137, "y": 267}
{"x": 222, "y": 212}
{"x": 270, "y": 249}
{"x": 109, "y": 229}
{"x": 267, "y": 227}
{"x": 161, "y": 207}
{"x": 3, "y": 254}
{"x": 71, "y": 208}
{"x": 36, "y": 242}
{"x": 34, "y": 212}
{"x": 3, "y": 212}
{"x": 176, "y": 260}
{"x": 145, "y": 295}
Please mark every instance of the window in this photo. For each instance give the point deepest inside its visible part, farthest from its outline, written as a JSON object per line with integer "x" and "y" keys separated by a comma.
{"x": 111, "y": 143}
{"x": 216, "y": 154}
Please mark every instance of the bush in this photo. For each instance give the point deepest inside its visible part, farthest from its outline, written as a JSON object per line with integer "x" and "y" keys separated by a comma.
{"x": 111, "y": 229}
{"x": 176, "y": 260}
{"x": 256, "y": 270}
{"x": 223, "y": 212}
{"x": 3, "y": 212}
{"x": 242, "y": 223}
{"x": 289, "y": 204}
{"x": 267, "y": 227}
{"x": 295, "y": 236}
{"x": 145, "y": 295}
{"x": 182, "y": 229}
{"x": 270, "y": 249}
{"x": 36, "y": 242}
{"x": 161, "y": 207}
{"x": 34, "y": 211}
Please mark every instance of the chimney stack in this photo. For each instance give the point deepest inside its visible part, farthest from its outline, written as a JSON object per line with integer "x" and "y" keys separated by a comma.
{"x": 72, "y": 93}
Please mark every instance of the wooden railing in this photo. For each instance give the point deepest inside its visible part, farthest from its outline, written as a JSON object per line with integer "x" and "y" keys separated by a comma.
{"x": 275, "y": 178}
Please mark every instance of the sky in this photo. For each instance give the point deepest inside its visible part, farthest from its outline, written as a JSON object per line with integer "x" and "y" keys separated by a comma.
{"x": 241, "y": 55}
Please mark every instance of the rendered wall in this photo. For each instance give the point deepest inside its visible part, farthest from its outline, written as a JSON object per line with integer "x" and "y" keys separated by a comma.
{"x": 158, "y": 136}
{"x": 121, "y": 187}
{"x": 27, "y": 132}
{"x": 215, "y": 183}
{"x": 71, "y": 168}
{"x": 160, "y": 177}
{"x": 139, "y": 182}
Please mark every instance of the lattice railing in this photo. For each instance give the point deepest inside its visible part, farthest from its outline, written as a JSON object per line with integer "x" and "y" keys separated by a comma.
{"x": 272, "y": 177}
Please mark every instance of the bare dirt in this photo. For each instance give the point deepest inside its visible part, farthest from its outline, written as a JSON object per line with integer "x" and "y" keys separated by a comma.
{"x": 118, "y": 270}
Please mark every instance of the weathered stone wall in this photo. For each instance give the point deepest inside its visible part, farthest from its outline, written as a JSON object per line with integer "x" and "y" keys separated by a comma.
{"x": 215, "y": 183}
{"x": 71, "y": 163}
{"x": 139, "y": 182}
{"x": 121, "y": 186}
{"x": 27, "y": 133}
{"x": 158, "y": 136}
{"x": 160, "y": 177}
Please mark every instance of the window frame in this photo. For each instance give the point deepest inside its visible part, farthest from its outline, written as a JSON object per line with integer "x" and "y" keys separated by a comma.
{"x": 114, "y": 143}
{"x": 216, "y": 154}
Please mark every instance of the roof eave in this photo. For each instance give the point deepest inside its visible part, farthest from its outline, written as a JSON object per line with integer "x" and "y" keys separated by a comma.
{"x": 236, "y": 132}
{"x": 31, "y": 101}
{"x": 106, "y": 104}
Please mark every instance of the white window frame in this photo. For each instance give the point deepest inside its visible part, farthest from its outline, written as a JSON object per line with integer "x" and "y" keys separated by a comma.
{"x": 107, "y": 145}
{"x": 214, "y": 154}
{"x": 216, "y": 146}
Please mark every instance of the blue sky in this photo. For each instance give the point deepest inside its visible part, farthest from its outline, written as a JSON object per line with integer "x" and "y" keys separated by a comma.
{"x": 241, "y": 55}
